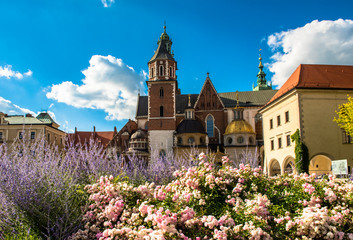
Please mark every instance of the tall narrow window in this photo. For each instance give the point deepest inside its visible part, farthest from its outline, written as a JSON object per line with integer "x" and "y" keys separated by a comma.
{"x": 210, "y": 127}
{"x": 272, "y": 145}
{"x": 346, "y": 137}
{"x": 0, "y": 136}
{"x": 161, "y": 70}
{"x": 271, "y": 123}
{"x": 161, "y": 92}
{"x": 20, "y": 135}
{"x": 287, "y": 116}
{"x": 278, "y": 120}
{"x": 288, "y": 140}
{"x": 279, "y": 142}
{"x": 151, "y": 72}
{"x": 171, "y": 71}
{"x": 161, "y": 111}
{"x": 33, "y": 135}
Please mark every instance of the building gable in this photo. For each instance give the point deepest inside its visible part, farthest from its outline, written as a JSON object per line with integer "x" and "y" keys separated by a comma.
{"x": 208, "y": 98}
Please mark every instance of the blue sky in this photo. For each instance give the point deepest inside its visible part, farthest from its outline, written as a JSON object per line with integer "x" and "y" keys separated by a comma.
{"x": 84, "y": 60}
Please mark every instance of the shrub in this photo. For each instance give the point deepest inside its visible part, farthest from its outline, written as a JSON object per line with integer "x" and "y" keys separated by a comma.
{"x": 41, "y": 187}
{"x": 204, "y": 202}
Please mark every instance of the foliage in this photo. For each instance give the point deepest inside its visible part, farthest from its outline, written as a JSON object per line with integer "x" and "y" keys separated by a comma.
{"x": 41, "y": 187}
{"x": 345, "y": 116}
{"x": 205, "y": 202}
{"x": 301, "y": 153}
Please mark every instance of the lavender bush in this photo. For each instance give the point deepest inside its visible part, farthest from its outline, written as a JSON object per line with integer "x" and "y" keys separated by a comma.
{"x": 42, "y": 185}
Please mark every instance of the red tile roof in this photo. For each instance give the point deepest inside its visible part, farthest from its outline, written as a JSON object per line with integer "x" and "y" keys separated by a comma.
{"x": 83, "y": 137}
{"x": 317, "y": 76}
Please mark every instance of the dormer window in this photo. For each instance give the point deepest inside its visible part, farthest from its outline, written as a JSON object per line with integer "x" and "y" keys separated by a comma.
{"x": 161, "y": 70}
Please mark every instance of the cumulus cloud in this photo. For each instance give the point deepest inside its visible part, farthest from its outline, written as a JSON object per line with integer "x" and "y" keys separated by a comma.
{"x": 6, "y": 106}
{"x": 7, "y": 72}
{"x": 107, "y": 3}
{"x": 318, "y": 42}
{"x": 109, "y": 84}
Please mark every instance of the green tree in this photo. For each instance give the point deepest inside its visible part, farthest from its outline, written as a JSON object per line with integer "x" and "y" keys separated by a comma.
{"x": 345, "y": 116}
{"x": 301, "y": 153}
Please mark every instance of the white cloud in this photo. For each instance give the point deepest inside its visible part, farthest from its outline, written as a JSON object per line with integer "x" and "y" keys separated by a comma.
{"x": 6, "y": 106}
{"x": 109, "y": 84}
{"x": 7, "y": 72}
{"x": 318, "y": 42}
{"x": 107, "y": 3}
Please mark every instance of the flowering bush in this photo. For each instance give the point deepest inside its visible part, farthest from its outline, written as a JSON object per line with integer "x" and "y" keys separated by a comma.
{"x": 208, "y": 202}
{"x": 41, "y": 187}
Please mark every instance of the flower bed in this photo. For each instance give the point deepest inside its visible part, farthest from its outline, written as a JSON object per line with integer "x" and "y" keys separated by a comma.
{"x": 209, "y": 202}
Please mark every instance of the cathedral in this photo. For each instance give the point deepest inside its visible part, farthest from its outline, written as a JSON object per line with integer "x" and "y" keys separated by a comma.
{"x": 171, "y": 122}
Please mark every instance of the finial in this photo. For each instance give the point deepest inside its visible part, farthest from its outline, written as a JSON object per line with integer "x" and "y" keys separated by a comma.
{"x": 208, "y": 74}
{"x": 189, "y": 103}
{"x": 165, "y": 26}
{"x": 237, "y": 96}
{"x": 260, "y": 59}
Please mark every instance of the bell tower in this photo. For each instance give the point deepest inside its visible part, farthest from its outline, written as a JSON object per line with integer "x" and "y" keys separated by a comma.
{"x": 162, "y": 90}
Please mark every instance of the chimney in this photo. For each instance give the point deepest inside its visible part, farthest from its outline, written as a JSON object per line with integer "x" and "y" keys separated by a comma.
{"x": 94, "y": 129}
{"x": 29, "y": 115}
{"x": 115, "y": 131}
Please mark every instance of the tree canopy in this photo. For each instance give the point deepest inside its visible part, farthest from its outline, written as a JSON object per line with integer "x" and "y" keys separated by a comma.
{"x": 345, "y": 116}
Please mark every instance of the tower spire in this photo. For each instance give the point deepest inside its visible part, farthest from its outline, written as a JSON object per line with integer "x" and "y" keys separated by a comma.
{"x": 261, "y": 77}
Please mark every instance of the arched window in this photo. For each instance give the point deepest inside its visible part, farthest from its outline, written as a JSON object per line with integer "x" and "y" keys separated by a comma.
{"x": 161, "y": 70}
{"x": 240, "y": 139}
{"x": 161, "y": 92}
{"x": 180, "y": 140}
{"x": 210, "y": 126}
{"x": 161, "y": 111}
{"x": 171, "y": 71}
{"x": 151, "y": 72}
{"x": 162, "y": 153}
{"x": 191, "y": 140}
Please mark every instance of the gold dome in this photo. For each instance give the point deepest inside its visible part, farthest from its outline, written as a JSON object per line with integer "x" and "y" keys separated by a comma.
{"x": 239, "y": 126}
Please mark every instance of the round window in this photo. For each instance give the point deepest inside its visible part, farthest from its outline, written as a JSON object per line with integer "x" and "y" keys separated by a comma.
{"x": 240, "y": 139}
{"x": 229, "y": 140}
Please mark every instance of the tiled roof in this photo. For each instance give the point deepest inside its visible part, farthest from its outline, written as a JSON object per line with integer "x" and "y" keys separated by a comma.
{"x": 45, "y": 118}
{"x": 83, "y": 137}
{"x": 19, "y": 119}
{"x": 318, "y": 76}
{"x": 142, "y": 106}
{"x": 247, "y": 98}
{"x": 183, "y": 100}
{"x": 229, "y": 99}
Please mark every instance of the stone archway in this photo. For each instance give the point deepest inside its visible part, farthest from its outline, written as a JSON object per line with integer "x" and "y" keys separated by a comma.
{"x": 289, "y": 165}
{"x": 320, "y": 164}
{"x": 275, "y": 168}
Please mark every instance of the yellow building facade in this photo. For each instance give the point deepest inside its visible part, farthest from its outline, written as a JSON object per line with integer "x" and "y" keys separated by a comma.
{"x": 308, "y": 101}
{"x": 17, "y": 127}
